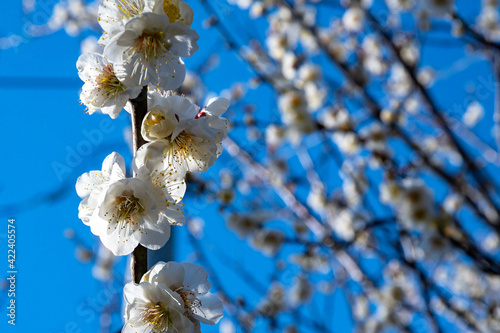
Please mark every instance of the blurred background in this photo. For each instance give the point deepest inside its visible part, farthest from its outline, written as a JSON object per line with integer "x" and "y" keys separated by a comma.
{"x": 358, "y": 190}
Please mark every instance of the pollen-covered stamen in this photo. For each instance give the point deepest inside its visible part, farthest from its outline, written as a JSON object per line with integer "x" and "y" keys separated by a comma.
{"x": 129, "y": 208}
{"x": 171, "y": 8}
{"x": 108, "y": 82}
{"x": 156, "y": 317}
{"x": 151, "y": 45}
{"x": 185, "y": 147}
{"x": 191, "y": 303}
{"x": 130, "y": 8}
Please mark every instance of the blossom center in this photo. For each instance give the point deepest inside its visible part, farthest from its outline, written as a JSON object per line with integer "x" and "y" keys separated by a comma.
{"x": 130, "y": 8}
{"x": 108, "y": 81}
{"x": 191, "y": 303}
{"x": 157, "y": 317}
{"x": 150, "y": 45}
{"x": 128, "y": 207}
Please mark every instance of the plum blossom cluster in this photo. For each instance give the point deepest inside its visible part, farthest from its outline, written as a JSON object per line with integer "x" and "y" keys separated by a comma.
{"x": 143, "y": 43}
{"x": 171, "y": 297}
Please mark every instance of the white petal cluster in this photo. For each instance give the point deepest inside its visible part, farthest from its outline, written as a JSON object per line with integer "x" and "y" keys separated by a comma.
{"x": 125, "y": 212}
{"x": 143, "y": 43}
{"x": 171, "y": 297}
{"x": 102, "y": 89}
{"x": 184, "y": 134}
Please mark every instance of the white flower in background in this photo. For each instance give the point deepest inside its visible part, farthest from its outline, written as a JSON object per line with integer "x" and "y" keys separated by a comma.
{"x": 131, "y": 211}
{"x": 278, "y": 44}
{"x": 336, "y": 118}
{"x": 102, "y": 89}
{"x": 114, "y": 14}
{"x": 257, "y": 9}
{"x": 177, "y": 11}
{"x": 342, "y": 222}
{"x": 273, "y": 302}
{"x": 375, "y": 65}
{"x": 390, "y": 192}
{"x": 452, "y": 203}
{"x": 433, "y": 246}
{"x": 153, "y": 307}
{"x": 400, "y": 5}
{"x": 372, "y": 46}
{"x": 89, "y": 45}
{"x": 269, "y": 242}
{"x": 289, "y": 65}
{"x": 103, "y": 267}
{"x": 438, "y": 8}
{"x": 245, "y": 224}
{"x": 90, "y": 185}
{"x": 353, "y": 19}
{"x": 275, "y": 136}
{"x": 426, "y": 76}
{"x": 311, "y": 261}
{"x": 196, "y": 227}
{"x": 415, "y": 208}
{"x": 148, "y": 51}
{"x": 188, "y": 282}
{"x": 293, "y": 107}
{"x": 73, "y": 15}
{"x": 375, "y": 135}
{"x": 317, "y": 197}
{"x": 347, "y": 142}
{"x": 191, "y": 137}
{"x": 489, "y": 23}
{"x": 361, "y": 308}
{"x": 399, "y": 82}
{"x": 301, "y": 291}
{"x": 315, "y": 96}
{"x": 308, "y": 73}
{"x": 473, "y": 114}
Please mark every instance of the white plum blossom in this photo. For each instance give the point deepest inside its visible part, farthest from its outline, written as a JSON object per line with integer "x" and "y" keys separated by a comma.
{"x": 131, "y": 211}
{"x": 125, "y": 212}
{"x": 190, "y": 137}
{"x": 90, "y": 185}
{"x": 102, "y": 89}
{"x": 353, "y": 19}
{"x": 148, "y": 51}
{"x": 189, "y": 282}
{"x": 153, "y": 307}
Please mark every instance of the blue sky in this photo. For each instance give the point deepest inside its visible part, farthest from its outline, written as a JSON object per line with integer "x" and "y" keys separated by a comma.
{"x": 48, "y": 141}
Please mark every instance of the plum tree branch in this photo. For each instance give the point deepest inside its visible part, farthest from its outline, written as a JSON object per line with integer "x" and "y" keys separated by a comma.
{"x": 139, "y": 259}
